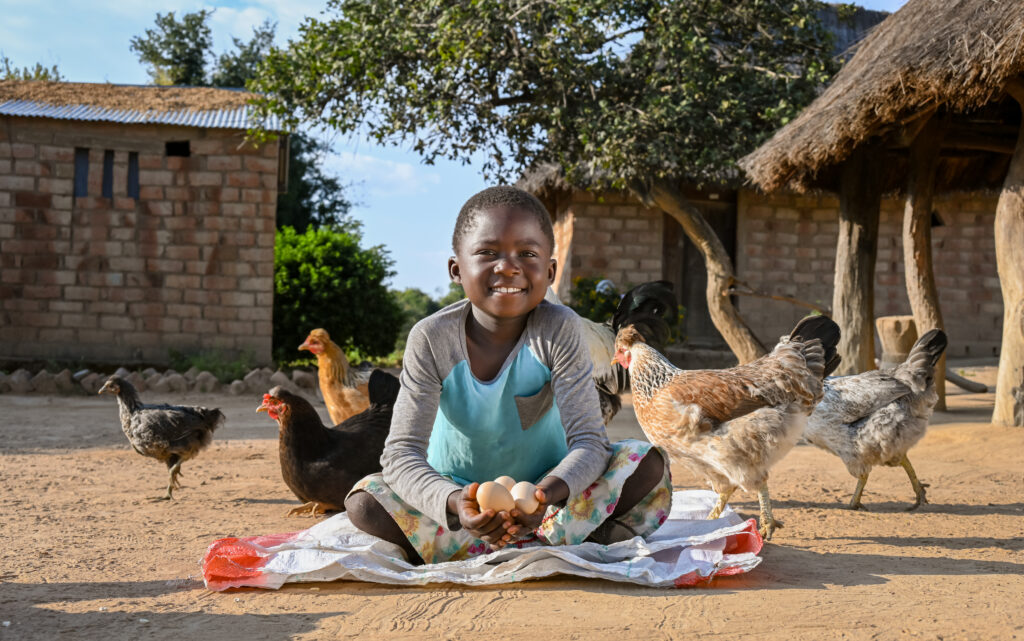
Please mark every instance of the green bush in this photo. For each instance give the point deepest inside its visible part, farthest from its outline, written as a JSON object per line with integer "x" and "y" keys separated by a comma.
{"x": 588, "y": 302}
{"x": 324, "y": 278}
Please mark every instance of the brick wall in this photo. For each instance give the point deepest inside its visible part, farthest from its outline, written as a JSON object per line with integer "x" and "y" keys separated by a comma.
{"x": 787, "y": 246}
{"x": 187, "y": 266}
{"x": 613, "y": 237}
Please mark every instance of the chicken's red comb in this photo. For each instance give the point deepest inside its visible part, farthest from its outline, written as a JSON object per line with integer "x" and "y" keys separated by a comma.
{"x": 267, "y": 397}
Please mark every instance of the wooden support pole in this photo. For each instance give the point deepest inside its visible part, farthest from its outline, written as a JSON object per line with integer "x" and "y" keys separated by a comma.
{"x": 724, "y": 315}
{"x": 917, "y": 239}
{"x": 1009, "y": 231}
{"x": 853, "y": 295}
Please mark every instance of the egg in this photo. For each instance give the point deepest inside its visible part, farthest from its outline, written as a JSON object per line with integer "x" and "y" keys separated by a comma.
{"x": 493, "y": 496}
{"x": 524, "y": 494}
{"x": 506, "y": 482}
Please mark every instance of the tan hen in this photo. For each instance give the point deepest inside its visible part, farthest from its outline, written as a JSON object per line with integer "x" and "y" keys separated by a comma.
{"x": 345, "y": 392}
{"x": 731, "y": 426}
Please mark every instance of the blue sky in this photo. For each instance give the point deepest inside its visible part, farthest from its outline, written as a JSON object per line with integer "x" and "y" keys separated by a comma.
{"x": 404, "y": 205}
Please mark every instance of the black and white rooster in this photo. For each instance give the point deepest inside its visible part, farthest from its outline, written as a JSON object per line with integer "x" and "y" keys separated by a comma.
{"x": 874, "y": 418}
{"x": 650, "y": 308}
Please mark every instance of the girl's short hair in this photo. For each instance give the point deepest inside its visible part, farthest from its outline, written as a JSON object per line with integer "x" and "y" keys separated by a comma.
{"x": 498, "y": 197}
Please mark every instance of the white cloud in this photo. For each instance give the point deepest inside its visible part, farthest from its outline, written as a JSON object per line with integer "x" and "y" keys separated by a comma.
{"x": 381, "y": 177}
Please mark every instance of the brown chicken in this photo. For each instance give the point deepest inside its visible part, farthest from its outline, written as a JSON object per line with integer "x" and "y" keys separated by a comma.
{"x": 345, "y": 392}
{"x": 320, "y": 464}
{"x": 731, "y": 425}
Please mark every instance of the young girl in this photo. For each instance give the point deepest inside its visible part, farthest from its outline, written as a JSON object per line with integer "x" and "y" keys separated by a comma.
{"x": 500, "y": 384}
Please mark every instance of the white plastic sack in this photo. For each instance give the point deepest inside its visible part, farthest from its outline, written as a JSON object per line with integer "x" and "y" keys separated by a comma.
{"x": 686, "y": 550}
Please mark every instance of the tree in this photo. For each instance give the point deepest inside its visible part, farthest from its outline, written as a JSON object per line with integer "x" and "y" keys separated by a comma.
{"x": 415, "y": 305}
{"x": 178, "y": 52}
{"x": 634, "y": 94}
{"x": 323, "y": 278}
{"x": 8, "y": 71}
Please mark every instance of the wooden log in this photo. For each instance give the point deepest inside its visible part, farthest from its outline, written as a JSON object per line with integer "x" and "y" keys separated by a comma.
{"x": 724, "y": 315}
{"x": 965, "y": 383}
{"x": 917, "y": 239}
{"x": 1009, "y": 231}
{"x": 897, "y": 334}
{"x": 853, "y": 296}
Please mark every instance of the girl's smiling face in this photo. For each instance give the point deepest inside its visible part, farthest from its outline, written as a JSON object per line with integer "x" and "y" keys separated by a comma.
{"x": 504, "y": 263}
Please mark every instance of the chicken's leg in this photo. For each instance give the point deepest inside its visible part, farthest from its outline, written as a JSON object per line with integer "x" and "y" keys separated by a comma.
{"x": 312, "y": 508}
{"x": 172, "y": 481}
{"x": 918, "y": 485}
{"x": 723, "y": 499}
{"x": 768, "y": 523}
{"x": 855, "y": 503}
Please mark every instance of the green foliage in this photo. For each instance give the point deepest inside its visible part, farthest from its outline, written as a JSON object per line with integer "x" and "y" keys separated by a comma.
{"x": 323, "y": 278}
{"x": 313, "y": 198}
{"x": 237, "y": 68}
{"x": 415, "y": 305}
{"x": 225, "y": 367}
{"x": 588, "y": 302}
{"x": 8, "y": 71}
{"x": 176, "y": 51}
{"x": 618, "y": 92}
{"x": 455, "y": 293}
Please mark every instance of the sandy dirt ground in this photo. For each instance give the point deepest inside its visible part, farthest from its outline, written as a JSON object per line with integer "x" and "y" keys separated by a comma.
{"x": 87, "y": 556}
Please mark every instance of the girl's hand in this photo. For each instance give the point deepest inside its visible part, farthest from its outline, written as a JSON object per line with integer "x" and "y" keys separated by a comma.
{"x": 496, "y": 529}
{"x": 551, "y": 490}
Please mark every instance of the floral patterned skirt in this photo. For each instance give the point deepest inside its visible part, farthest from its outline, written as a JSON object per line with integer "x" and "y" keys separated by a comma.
{"x": 567, "y": 525}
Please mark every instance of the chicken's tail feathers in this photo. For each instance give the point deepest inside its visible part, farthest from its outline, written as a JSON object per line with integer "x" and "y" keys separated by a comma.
{"x": 919, "y": 368}
{"x": 827, "y": 332}
{"x": 650, "y": 307}
{"x": 382, "y": 388}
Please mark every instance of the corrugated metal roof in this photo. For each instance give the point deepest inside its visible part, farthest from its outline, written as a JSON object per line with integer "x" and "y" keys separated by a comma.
{"x": 236, "y": 118}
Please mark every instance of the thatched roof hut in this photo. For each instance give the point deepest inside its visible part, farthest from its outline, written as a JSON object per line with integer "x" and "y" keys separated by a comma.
{"x": 930, "y": 102}
{"x": 950, "y": 56}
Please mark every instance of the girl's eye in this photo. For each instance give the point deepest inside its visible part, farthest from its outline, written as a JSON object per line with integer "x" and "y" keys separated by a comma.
{"x": 528, "y": 254}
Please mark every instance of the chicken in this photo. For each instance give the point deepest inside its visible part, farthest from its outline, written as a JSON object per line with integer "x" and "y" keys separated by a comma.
{"x": 321, "y": 464}
{"x": 169, "y": 433}
{"x": 344, "y": 391}
{"x": 647, "y": 307}
{"x": 874, "y": 418}
{"x": 732, "y": 425}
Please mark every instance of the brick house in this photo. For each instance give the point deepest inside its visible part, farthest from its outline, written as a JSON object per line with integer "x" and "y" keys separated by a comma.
{"x": 133, "y": 221}
{"x": 781, "y": 244}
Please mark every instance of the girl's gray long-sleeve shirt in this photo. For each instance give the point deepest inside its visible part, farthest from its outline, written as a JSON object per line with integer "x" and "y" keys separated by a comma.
{"x": 437, "y": 346}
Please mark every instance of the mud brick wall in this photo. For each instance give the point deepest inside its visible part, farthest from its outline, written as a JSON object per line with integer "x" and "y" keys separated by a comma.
{"x": 612, "y": 237}
{"x": 187, "y": 266}
{"x": 787, "y": 246}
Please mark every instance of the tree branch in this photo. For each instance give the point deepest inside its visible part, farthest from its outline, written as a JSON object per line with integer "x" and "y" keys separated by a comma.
{"x": 750, "y": 291}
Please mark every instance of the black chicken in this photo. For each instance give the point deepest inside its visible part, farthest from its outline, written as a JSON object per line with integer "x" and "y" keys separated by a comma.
{"x": 651, "y": 308}
{"x": 321, "y": 464}
{"x": 169, "y": 433}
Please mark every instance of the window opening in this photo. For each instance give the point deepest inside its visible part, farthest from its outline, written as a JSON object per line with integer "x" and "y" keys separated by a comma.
{"x": 81, "y": 172}
{"x": 108, "y": 174}
{"x": 178, "y": 148}
{"x": 133, "y": 174}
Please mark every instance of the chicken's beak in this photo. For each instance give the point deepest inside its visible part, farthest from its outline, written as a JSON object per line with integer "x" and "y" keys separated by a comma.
{"x": 267, "y": 404}
{"x": 622, "y": 358}
{"x": 106, "y": 389}
{"x": 305, "y": 346}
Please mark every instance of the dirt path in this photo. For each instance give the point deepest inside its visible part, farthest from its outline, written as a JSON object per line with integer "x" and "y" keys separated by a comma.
{"x": 85, "y": 555}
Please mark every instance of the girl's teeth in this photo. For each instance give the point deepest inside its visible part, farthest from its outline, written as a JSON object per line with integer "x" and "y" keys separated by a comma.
{"x": 508, "y": 290}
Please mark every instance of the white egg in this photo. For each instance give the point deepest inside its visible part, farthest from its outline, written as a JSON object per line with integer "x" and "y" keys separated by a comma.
{"x": 524, "y": 494}
{"x": 492, "y": 496}
{"x": 506, "y": 482}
